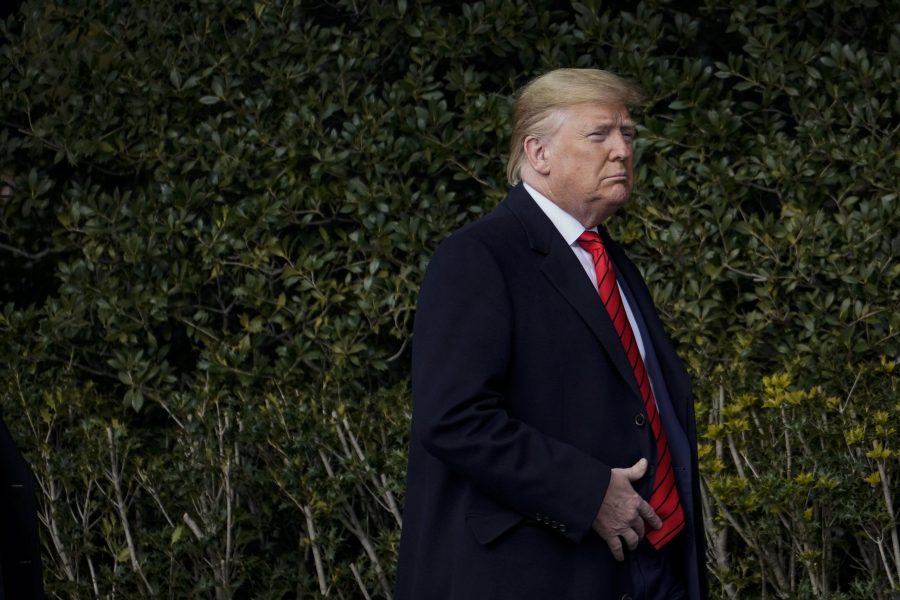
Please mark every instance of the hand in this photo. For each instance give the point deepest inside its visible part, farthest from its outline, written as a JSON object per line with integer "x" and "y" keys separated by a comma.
{"x": 623, "y": 512}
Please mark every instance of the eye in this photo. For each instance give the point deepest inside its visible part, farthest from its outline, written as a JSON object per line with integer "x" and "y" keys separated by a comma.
{"x": 629, "y": 134}
{"x": 598, "y": 135}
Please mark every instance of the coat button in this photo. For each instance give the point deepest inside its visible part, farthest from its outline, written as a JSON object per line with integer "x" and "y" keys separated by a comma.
{"x": 639, "y": 419}
{"x": 626, "y": 597}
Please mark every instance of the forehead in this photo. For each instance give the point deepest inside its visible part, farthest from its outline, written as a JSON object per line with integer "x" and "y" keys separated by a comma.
{"x": 595, "y": 113}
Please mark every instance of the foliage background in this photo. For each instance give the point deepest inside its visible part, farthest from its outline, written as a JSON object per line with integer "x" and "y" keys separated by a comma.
{"x": 215, "y": 215}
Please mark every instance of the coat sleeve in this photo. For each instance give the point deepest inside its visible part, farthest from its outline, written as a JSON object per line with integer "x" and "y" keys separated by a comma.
{"x": 463, "y": 344}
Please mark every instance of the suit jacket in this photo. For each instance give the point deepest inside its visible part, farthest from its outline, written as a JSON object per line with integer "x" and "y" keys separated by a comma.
{"x": 523, "y": 400}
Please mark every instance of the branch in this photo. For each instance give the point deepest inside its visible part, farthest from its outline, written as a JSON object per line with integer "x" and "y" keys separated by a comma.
{"x": 889, "y": 504}
{"x": 359, "y": 581}
{"x": 356, "y": 529}
{"x": 26, "y": 254}
{"x": 317, "y": 555}
{"x": 115, "y": 477}
{"x": 192, "y": 525}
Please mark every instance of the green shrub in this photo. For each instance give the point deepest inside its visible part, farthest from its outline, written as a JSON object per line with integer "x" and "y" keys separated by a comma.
{"x": 214, "y": 220}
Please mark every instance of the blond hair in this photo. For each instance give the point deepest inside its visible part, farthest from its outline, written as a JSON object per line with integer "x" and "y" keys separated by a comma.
{"x": 537, "y": 111}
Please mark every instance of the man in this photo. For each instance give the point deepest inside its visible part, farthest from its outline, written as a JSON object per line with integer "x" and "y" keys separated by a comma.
{"x": 553, "y": 451}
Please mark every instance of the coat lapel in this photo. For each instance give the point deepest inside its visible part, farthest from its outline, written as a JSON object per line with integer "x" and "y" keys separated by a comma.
{"x": 565, "y": 274}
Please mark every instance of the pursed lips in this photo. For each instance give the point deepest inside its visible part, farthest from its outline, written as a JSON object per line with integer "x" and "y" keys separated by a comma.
{"x": 622, "y": 175}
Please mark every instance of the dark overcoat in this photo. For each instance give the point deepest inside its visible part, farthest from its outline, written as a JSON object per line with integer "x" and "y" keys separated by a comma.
{"x": 20, "y": 549}
{"x": 523, "y": 400}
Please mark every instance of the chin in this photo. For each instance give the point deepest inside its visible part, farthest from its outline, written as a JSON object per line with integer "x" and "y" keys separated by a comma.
{"x": 618, "y": 200}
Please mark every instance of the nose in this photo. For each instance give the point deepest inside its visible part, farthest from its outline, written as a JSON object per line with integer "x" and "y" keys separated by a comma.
{"x": 620, "y": 146}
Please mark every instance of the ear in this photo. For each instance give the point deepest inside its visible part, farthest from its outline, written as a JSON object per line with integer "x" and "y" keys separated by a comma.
{"x": 538, "y": 154}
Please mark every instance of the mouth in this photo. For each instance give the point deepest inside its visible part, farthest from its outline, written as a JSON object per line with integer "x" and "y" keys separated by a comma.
{"x": 617, "y": 177}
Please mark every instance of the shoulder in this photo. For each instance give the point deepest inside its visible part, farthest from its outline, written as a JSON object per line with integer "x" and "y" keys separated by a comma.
{"x": 478, "y": 258}
{"x": 471, "y": 252}
{"x": 490, "y": 235}
{"x": 502, "y": 231}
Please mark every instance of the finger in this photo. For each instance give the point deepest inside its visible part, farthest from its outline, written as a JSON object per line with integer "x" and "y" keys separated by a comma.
{"x": 615, "y": 546}
{"x": 649, "y": 515}
{"x": 631, "y": 538}
{"x": 637, "y": 470}
{"x": 638, "y": 527}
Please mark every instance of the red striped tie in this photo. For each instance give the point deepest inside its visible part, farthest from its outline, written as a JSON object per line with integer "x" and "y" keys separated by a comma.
{"x": 664, "y": 499}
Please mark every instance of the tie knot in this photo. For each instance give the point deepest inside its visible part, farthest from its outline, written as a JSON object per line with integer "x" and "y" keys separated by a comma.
{"x": 590, "y": 241}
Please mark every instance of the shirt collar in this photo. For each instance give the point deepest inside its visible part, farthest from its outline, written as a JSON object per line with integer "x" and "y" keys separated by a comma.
{"x": 567, "y": 225}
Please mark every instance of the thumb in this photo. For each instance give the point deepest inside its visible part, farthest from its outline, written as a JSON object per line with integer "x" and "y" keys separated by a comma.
{"x": 637, "y": 470}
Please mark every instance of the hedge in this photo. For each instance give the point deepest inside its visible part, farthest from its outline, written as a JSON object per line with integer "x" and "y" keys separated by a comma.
{"x": 215, "y": 216}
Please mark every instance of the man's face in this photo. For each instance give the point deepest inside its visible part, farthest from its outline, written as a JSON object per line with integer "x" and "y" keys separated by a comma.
{"x": 590, "y": 161}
